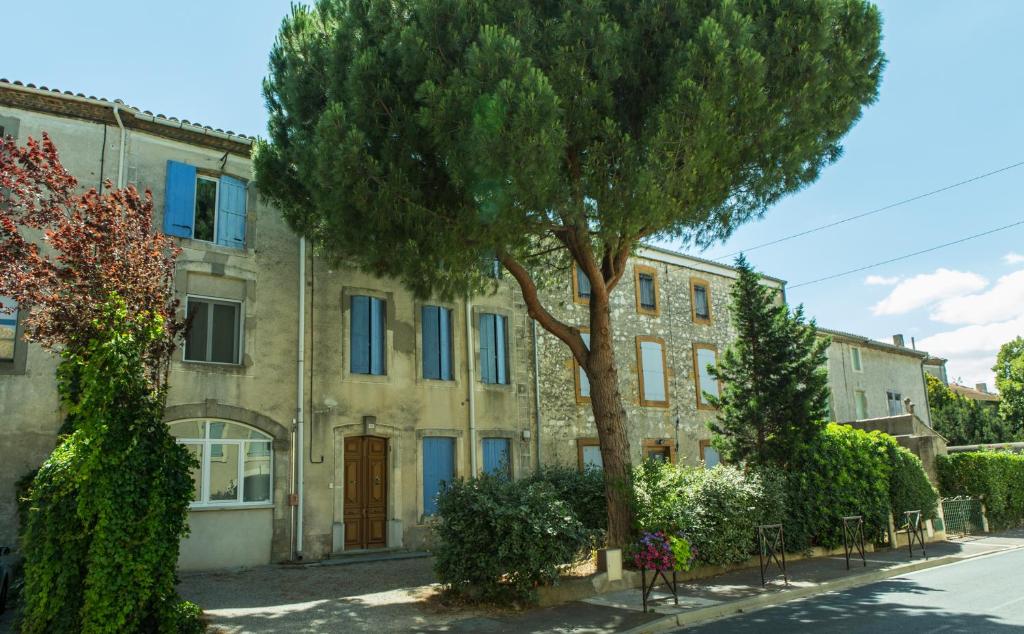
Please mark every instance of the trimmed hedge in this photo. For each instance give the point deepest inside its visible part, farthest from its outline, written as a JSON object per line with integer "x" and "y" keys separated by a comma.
{"x": 996, "y": 477}
{"x": 499, "y": 539}
{"x": 582, "y": 491}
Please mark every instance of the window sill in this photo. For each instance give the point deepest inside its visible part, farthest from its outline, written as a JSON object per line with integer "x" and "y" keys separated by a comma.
{"x": 194, "y": 243}
{"x": 232, "y": 507}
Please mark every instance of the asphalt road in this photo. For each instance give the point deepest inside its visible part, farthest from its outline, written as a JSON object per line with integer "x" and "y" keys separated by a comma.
{"x": 977, "y": 595}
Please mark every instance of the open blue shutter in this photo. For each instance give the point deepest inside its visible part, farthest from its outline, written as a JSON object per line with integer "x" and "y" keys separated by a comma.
{"x": 359, "y": 341}
{"x": 582, "y": 283}
{"x": 180, "y": 199}
{"x": 431, "y": 343}
{"x": 501, "y": 348}
{"x": 488, "y": 372}
{"x": 378, "y": 335}
{"x": 584, "y": 379}
{"x": 438, "y": 468}
{"x": 496, "y": 456}
{"x": 231, "y": 213}
{"x": 444, "y": 318}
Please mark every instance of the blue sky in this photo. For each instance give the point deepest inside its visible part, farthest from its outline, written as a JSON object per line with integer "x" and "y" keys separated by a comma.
{"x": 949, "y": 109}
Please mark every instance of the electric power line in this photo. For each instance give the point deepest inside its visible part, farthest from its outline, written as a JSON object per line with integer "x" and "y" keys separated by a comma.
{"x": 908, "y": 255}
{"x": 868, "y": 213}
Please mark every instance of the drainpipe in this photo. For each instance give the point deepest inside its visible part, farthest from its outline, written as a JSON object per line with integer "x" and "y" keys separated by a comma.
{"x": 120, "y": 157}
{"x": 472, "y": 385}
{"x": 536, "y": 387}
{"x": 300, "y": 396}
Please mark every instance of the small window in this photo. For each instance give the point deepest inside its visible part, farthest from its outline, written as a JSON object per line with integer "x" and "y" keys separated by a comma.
{"x": 206, "y": 208}
{"x": 580, "y": 286}
{"x": 582, "y": 380}
{"x": 235, "y": 462}
{"x": 498, "y": 456}
{"x": 436, "y": 323}
{"x": 8, "y": 328}
{"x": 660, "y": 450}
{"x": 700, "y": 298}
{"x": 367, "y": 335}
{"x": 709, "y": 455}
{"x": 438, "y": 469}
{"x": 895, "y": 401}
{"x": 491, "y": 268}
{"x": 215, "y": 331}
{"x": 650, "y": 353}
{"x": 493, "y": 349}
{"x": 861, "y": 403}
{"x": 588, "y": 454}
{"x": 855, "y": 360}
{"x": 646, "y": 280}
{"x": 704, "y": 356}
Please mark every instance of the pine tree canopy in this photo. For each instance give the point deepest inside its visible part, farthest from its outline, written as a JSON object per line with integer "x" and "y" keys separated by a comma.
{"x": 413, "y": 137}
{"x": 774, "y": 378}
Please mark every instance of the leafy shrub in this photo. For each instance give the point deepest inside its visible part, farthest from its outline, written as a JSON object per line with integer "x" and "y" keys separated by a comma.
{"x": 499, "y": 539}
{"x": 582, "y": 491}
{"x": 909, "y": 487}
{"x": 996, "y": 477}
{"x": 107, "y": 509}
{"x": 717, "y": 509}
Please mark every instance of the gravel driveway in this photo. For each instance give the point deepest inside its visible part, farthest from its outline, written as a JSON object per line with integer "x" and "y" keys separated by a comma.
{"x": 385, "y": 596}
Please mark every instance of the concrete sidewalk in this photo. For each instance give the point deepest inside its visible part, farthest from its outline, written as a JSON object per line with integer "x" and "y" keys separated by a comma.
{"x": 730, "y": 593}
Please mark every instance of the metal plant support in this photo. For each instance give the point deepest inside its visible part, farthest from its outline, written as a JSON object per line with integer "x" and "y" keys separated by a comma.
{"x": 962, "y": 515}
{"x": 915, "y": 531}
{"x": 672, "y": 585}
{"x": 771, "y": 543}
{"x": 853, "y": 538}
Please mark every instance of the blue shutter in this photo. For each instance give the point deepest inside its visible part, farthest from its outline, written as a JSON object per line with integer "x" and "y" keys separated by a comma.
{"x": 431, "y": 343}
{"x": 501, "y": 348}
{"x": 438, "y": 468}
{"x": 445, "y": 342}
{"x": 231, "y": 213}
{"x": 378, "y": 335}
{"x": 584, "y": 379}
{"x": 582, "y": 283}
{"x": 180, "y": 199}
{"x": 497, "y": 460}
{"x": 359, "y": 341}
{"x": 488, "y": 371}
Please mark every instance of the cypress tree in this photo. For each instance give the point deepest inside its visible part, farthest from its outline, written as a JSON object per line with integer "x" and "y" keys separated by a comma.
{"x": 774, "y": 396}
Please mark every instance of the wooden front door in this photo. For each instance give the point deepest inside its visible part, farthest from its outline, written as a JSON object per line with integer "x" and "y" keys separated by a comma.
{"x": 366, "y": 492}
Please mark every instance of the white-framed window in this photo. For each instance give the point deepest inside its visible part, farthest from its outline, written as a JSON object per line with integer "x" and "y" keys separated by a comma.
{"x": 235, "y": 462}
{"x": 860, "y": 398}
{"x": 855, "y": 360}
{"x": 8, "y": 328}
{"x": 215, "y": 333}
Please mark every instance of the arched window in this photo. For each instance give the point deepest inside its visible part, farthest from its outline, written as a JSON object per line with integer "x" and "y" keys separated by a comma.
{"x": 235, "y": 462}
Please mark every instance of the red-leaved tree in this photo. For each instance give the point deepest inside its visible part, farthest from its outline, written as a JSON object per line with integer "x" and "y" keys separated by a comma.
{"x": 64, "y": 252}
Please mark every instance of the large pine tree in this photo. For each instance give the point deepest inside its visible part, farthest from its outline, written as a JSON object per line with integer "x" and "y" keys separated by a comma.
{"x": 774, "y": 394}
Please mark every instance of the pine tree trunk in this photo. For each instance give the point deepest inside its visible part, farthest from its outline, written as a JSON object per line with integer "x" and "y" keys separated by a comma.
{"x": 610, "y": 417}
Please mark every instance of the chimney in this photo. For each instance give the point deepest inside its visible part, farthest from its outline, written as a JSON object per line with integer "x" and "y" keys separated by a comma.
{"x": 981, "y": 387}
{"x": 897, "y": 340}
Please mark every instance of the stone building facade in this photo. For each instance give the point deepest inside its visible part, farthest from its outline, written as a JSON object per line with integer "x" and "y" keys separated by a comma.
{"x": 689, "y": 319}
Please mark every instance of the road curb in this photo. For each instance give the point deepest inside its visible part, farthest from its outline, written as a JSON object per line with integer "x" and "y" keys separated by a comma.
{"x": 729, "y": 608}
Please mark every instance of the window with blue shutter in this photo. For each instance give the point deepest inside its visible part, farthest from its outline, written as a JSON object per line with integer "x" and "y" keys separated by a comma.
{"x": 367, "y": 330}
{"x": 438, "y": 469}
{"x": 180, "y": 199}
{"x": 498, "y": 456}
{"x": 437, "y": 343}
{"x": 582, "y": 285}
{"x": 231, "y": 213}
{"x": 584, "y": 380}
{"x": 493, "y": 349}
{"x": 8, "y": 328}
{"x": 647, "y": 297}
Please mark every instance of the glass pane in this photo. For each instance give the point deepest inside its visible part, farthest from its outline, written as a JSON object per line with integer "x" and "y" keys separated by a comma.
{"x": 707, "y": 382}
{"x": 206, "y": 208}
{"x": 647, "y": 291}
{"x": 223, "y": 472}
{"x": 592, "y": 457}
{"x": 584, "y": 379}
{"x": 188, "y": 429}
{"x": 256, "y": 470}
{"x": 711, "y": 457}
{"x": 196, "y": 451}
{"x": 195, "y": 343}
{"x": 225, "y": 333}
{"x": 700, "y": 301}
{"x": 582, "y": 283}
{"x": 654, "y": 371}
{"x": 233, "y": 431}
{"x": 8, "y": 327}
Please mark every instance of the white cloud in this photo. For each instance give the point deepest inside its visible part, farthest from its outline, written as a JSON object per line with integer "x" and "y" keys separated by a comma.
{"x": 878, "y": 280}
{"x": 1013, "y": 258}
{"x": 971, "y": 350}
{"x": 1002, "y": 302}
{"x": 928, "y": 288}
